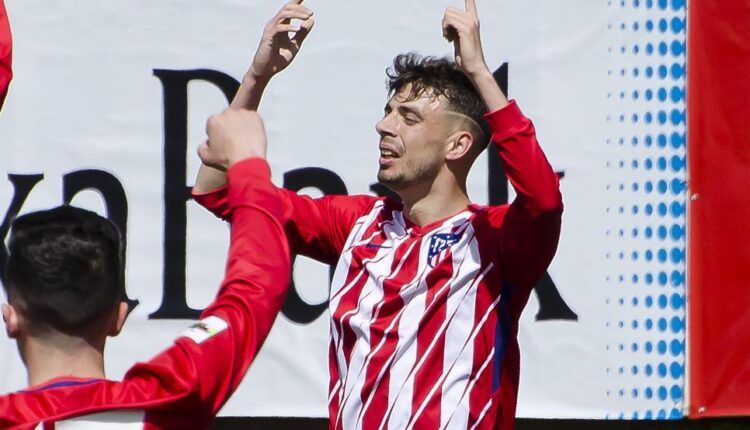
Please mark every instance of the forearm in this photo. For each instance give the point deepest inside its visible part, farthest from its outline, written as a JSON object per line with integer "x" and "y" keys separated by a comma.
{"x": 247, "y": 97}
{"x": 209, "y": 179}
{"x": 250, "y": 92}
{"x": 488, "y": 89}
{"x": 257, "y": 278}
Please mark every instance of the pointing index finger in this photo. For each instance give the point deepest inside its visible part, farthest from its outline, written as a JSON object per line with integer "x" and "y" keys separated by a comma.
{"x": 471, "y": 6}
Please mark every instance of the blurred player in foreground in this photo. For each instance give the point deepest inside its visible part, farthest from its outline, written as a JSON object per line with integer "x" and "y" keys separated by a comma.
{"x": 65, "y": 288}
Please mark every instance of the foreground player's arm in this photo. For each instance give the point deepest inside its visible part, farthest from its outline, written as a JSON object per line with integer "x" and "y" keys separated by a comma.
{"x": 275, "y": 52}
{"x": 186, "y": 385}
{"x": 530, "y": 228}
{"x": 6, "y": 73}
{"x": 209, "y": 361}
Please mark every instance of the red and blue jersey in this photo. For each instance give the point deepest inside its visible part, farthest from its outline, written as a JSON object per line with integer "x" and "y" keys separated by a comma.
{"x": 186, "y": 385}
{"x": 425, "y": 318}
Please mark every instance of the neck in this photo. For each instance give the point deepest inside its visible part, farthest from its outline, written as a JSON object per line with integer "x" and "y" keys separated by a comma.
{"x": 69, "y": 356}
{"x": 443, "y": 197}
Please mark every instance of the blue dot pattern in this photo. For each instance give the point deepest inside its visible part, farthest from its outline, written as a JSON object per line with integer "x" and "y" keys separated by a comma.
{"x": 646, "y": 233}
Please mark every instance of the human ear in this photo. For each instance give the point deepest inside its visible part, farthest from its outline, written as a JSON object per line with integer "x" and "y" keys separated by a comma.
{"x": 11, "y": 319}
{"x": 118, "y": 320}
{"x": 459, "y": 144}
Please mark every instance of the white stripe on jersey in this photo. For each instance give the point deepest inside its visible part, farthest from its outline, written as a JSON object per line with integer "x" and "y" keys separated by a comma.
{"x": 374, "y": 351}
{"x": 359, "y": 230}
{"x": 482, "y": 414}
{"x": 470, "y": 341}
{"x": 117, "y": 420}
{"x": 340, "y": 275}
{"x": 463, "y": 413}
{"x": 458, "y": 325}
{"x": 458, "y": 361}
{"x": 404, "y": 371}
{"x": 360, "y": 322}
{"x": 406, "y": 293}
{"x": 406, "y": 350}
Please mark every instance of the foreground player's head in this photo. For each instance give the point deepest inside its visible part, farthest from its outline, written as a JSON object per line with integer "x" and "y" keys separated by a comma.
{"x": 64, "y": 278}
{"x": 433, "y": 122}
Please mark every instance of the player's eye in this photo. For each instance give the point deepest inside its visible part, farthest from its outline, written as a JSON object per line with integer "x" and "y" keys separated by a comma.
{"x": 410, "y": 119}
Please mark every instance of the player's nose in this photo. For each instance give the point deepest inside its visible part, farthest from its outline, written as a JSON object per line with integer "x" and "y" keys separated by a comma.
{"x": 386, "y": 126}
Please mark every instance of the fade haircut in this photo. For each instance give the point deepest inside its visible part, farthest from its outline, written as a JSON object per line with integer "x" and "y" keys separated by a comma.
{"x": 65, "y": 270}
{"x": 437, "y": 77}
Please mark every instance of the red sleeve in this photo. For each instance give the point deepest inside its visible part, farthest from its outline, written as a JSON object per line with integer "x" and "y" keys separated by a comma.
{"x": 186, "y": 385}
{"x": 209, "y": 361}
{"x": 316, "y": 227}
{"x": 253, "y": 290}
{"x": 530, "y": 228}
{"x": 5, "y": 53}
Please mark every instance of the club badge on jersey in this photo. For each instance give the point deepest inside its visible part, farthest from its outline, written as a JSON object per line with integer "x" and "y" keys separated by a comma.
{"x": 438, "y": 244}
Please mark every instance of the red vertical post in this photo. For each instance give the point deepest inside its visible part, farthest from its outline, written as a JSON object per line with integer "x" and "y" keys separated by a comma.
{"x": 718, "y": 99}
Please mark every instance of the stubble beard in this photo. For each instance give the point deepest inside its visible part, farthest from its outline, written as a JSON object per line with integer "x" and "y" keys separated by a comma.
{"x": 392, "y": 181}
{"x": 400, "y": 180}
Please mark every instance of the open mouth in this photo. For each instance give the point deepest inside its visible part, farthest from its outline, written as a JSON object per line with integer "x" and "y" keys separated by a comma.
{"x": 387, "y": 158}
{"x": 387, "y": 154}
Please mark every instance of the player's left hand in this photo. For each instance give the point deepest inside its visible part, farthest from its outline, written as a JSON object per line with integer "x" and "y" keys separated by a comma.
{"x": 462, "y": 28}
{"x": 277, "y": 48}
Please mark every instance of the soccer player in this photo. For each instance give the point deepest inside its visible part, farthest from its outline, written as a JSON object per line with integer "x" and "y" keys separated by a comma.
{"x": 65, "y": 284}
{"x": 428, "y": 290}
{"x": 6, "y": 73}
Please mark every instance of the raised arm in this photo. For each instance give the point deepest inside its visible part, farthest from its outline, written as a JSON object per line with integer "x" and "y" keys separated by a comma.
{"x": 316, "y": 228}
{"x": 461, "y": 27}
{"x": 275, "y": 52}
{"x": 258, "y": 265}
{"x": 5, "y": 54}
{"x": 530, "y": 227}
{"x": 186, "y": 385}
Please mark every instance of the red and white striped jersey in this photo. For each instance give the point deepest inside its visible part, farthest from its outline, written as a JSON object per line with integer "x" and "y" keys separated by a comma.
{"x": 186, "y": 385}
{"x": 424, "y": 318}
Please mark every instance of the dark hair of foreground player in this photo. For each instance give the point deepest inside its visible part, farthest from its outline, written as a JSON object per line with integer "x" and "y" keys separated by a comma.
{"x": 65, "y": 270}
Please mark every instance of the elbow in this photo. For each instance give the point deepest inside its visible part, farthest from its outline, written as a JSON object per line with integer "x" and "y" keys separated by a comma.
{"x": 551, "y": 204}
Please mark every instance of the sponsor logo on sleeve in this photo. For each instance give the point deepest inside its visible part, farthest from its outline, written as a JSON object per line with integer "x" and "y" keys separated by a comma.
{"x": 205, "y": 329}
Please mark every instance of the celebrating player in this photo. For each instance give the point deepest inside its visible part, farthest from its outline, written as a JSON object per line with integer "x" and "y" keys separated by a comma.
{"x": 65, "y": 283}
{"x": 427, "y": 292}
{"x": 5, "y": 54}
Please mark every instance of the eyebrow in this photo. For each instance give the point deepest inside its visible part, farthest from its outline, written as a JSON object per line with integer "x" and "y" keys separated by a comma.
{"x": 403, "y": 109}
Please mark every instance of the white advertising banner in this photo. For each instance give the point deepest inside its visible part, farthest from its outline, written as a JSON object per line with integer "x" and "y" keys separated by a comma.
{"x": 109, "y": 104}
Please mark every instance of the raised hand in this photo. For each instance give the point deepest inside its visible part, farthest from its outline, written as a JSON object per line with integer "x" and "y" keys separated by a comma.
{"x": 462, "y": 28}
{"x": 277, "y": 48}
{"x": 233, "y": 135}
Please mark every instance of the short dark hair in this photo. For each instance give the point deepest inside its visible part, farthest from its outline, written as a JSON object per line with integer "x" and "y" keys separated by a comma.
{"x": 440, "y": 77}
{"x": 65, "y": 269}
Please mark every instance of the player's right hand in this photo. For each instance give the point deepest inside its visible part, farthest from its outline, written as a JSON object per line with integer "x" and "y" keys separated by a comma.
{"x": 233, "y": 135}
{"x": 277, "y": 48}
